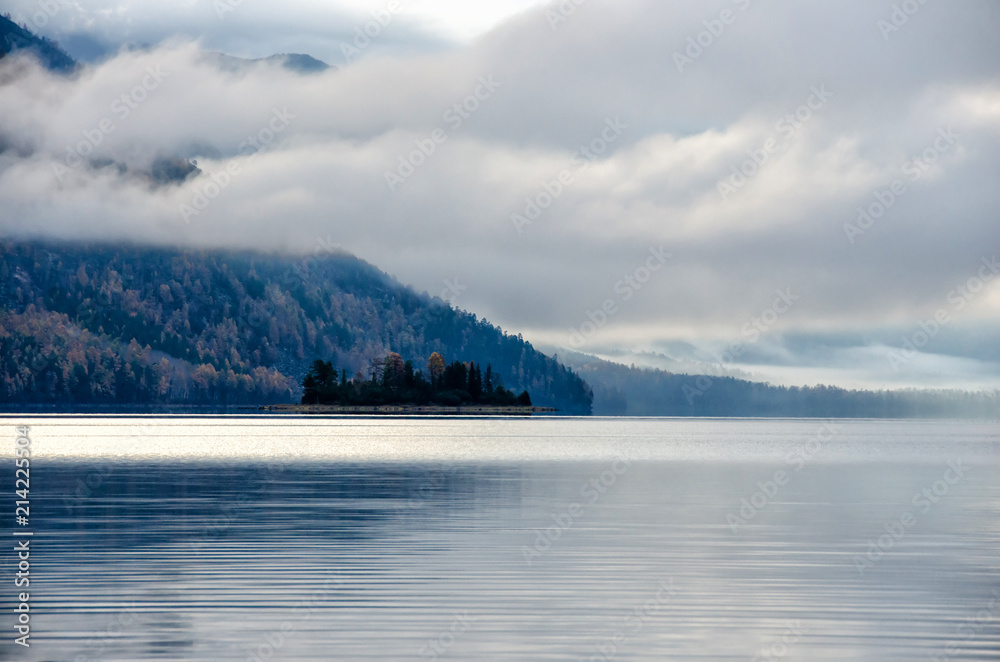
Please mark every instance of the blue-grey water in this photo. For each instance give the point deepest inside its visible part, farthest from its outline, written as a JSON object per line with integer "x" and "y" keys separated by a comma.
{"x": 226, "y": 538}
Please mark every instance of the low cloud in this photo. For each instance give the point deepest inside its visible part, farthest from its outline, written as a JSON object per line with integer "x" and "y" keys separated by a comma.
{"x": 321, "y": 169}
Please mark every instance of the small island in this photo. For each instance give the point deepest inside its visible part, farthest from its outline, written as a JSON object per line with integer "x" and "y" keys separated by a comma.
{"x": 394, "y": 386}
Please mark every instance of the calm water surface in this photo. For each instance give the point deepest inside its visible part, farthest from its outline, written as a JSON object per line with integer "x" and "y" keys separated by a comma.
{"x": 229, "y": 538}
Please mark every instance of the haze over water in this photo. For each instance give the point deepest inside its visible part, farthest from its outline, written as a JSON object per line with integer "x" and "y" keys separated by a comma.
{"x": 229, "y": 538}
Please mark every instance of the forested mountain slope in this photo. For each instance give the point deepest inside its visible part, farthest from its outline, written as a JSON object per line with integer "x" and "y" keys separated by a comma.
{"x": 113, "y": 324}
{"x": 17, "y": 39}
{"x": 621, "y": 390}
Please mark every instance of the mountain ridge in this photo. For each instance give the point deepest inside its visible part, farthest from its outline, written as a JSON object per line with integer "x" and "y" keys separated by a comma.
{"x": 84, "y": 323}
{"x": 19, "y": 39}
{"x": 622, "y": 390}
{"x": 16, "y": 38}
{"x": 300, "y": 63}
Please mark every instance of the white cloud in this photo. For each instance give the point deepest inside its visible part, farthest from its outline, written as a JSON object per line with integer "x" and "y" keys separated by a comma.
{"x": 656, "y": 184}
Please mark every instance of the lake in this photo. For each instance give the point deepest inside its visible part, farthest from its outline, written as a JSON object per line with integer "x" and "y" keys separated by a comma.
{"x": 271, "y": 538}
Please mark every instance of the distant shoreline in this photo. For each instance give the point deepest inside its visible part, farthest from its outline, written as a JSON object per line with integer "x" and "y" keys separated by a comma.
{"x": 408, "y": 410}
{"x": 11, "y": 411}
{"x": 274, "y": 410}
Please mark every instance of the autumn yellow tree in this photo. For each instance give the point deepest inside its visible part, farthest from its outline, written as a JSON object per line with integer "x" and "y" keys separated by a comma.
{"x": 435, "y": 366}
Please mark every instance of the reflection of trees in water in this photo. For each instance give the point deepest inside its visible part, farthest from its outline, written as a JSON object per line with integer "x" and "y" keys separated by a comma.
{"x": 149, "y": 504}
{"x": 183, "y": 540}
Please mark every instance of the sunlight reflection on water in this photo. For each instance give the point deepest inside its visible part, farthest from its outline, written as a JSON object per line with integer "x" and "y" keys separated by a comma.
{"x": 222, "y": 538}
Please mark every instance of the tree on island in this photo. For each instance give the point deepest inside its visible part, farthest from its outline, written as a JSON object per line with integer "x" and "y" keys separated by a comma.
{"x": 399, "y": 383}
{"x": 435, "y": 366}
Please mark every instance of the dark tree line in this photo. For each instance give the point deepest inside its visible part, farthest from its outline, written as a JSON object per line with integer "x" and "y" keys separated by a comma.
{"x": 395, "y": 381}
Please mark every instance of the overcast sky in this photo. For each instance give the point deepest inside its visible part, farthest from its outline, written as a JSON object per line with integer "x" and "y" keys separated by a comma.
{"x": 727, "y": 147}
